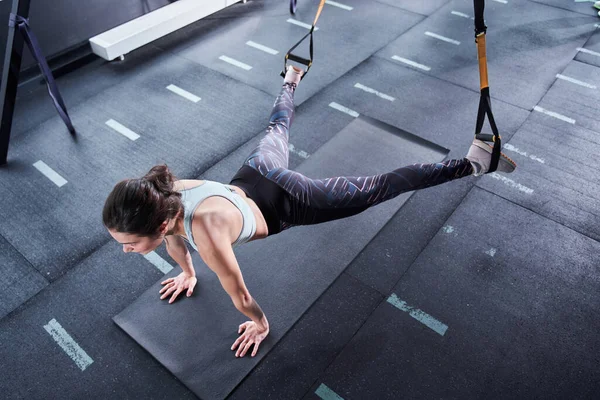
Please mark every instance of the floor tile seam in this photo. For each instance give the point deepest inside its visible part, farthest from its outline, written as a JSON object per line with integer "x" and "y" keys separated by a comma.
{"x": 558, "y": 7}
{"x": 227, "y": 77}
{"x": 200, "y": 173}
{"x": 80, "y": 103}
{"x": 588, "y": 42}
{"x": 475, "y": 91}
{"x": 574, "y": 98}
{"x": 555, "y": 133}
{"x": 29, "y": 263}
{"x": 595, "y": 66}
{"x": 11, "y": 244}
{"x": 569, "y": 174}
{"x": 518, "y": 130}
{"x": 75, "y": 263}
{"x": 376, "y": 235}
{"x": 304, "y": 313}
{"x": 433, "y": 235}
{"x": 365, "y": 285}
{"x": 540, "y": 215}
{"x": 297, "y": 108}
{"x": 495, "y": 99}
{"x": 358, "y": 329}
{"x": 57, "y": 279}
{"x": 402, "y": 9}
{"x": 343, "y": 272}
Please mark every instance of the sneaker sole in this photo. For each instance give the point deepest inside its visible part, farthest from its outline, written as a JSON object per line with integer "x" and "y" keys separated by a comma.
{"x": 504, "y": 159}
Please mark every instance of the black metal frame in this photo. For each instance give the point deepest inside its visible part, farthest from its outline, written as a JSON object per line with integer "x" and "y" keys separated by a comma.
{"x": 10, "y": 76}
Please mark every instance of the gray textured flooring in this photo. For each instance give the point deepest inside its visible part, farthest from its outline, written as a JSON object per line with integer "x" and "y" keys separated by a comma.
{"x": 497, "y": 293}
{"x": 508, "y": 263}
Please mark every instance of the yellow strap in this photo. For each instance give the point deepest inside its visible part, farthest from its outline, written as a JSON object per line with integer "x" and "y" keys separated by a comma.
{"x": 483, "y": 75}
{"x": 319, "y": 12}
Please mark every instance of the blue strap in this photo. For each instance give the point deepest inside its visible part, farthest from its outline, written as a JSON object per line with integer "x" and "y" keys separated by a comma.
{"x": 23, "y": 25}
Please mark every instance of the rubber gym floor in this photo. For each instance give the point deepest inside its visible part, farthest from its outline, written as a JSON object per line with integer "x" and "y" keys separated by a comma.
{"x": 484, "y": 287}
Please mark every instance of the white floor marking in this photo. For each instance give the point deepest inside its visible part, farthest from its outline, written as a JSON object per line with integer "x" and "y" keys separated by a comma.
{"x": 448, "y": 229}
{"x": 501, "y": 1}
{"x": 575, "y": 81}
{"x": 375, "y": 92}
{"x": 159, "y": 262}
{"x": 443, "y": 38}
{"x": 339, "y": 5}
{"x": 327, "y": 394}
{"x": 460, "y": 14}
{"x": 300, "y": 153}
{"x": 419, "y": 315}
{"x": 302, "y": 24}
{"x": 50, "y": 173}
{"x": 66, "y": 342}
{"x": 511, "y": 183}
{"x": 343, "y": 109}
{"x": 586, "y": 51}
{"x": 491, "y": 252}
{"x": 122, "y": 129}
{"x": 553, "y": 114}
{"x": 183, "y": 93}
{"x": 237, "y": 63}
{"x": 261, "y": 47}
{"x": 512, "y": 148}
{"x": 411, "y": 63}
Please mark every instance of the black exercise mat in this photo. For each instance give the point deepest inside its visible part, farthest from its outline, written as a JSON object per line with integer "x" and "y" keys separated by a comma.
{"x": 285, "y": 273}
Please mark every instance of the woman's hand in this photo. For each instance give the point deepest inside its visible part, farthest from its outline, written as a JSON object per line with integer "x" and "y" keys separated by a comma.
{"x": 252, "y": 334}
{"x": 177, "y": 285}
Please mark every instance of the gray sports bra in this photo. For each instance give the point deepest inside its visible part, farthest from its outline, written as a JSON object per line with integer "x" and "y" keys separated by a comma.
{"x": 191, "y": 198}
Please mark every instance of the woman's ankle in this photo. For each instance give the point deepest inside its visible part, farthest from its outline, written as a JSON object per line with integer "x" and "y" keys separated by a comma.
{"x": 293, "y": 75}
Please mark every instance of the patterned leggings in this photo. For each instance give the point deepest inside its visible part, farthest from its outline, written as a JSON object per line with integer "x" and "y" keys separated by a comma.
{"x": 312, "y": 201}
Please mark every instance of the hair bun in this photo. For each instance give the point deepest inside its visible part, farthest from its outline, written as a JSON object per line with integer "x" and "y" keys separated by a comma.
{"x": 161, "y": 177}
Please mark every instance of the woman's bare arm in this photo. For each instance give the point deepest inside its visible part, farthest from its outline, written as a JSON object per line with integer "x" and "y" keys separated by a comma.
{"x": 217, "y": 253}
{"x": 187, "y": 279}
{"x": 179, "y": 252}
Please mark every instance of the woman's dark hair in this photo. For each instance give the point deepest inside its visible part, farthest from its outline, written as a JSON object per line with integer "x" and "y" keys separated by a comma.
{"x": 140, "y": 206}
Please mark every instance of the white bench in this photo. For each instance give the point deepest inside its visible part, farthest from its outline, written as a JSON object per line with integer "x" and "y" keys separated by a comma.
{"x": 138, "y": 32}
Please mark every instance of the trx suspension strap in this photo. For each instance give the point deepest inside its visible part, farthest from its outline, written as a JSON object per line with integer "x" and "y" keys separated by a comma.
{"x": 302, "y": 60}
{"x": 22, "y": 25}
{"x": 485, "y": 103}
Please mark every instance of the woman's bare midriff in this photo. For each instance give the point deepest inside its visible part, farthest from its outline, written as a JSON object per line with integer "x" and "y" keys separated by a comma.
{"x": 229, "y": 209}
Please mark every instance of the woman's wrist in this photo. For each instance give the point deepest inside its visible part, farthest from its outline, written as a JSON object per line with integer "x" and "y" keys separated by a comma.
{"x": 188, "y": 271}
{"x": 263, "y": 323}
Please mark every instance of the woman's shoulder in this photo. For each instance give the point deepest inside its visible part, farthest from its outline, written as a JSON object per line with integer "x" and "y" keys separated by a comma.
{"x": 185, "y": 184}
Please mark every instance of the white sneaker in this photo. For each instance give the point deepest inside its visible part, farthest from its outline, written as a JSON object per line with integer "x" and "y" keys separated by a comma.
{"x": 480, "y": 156}
{"x": 293, "y": 75}
{"x": 597, "y": 5}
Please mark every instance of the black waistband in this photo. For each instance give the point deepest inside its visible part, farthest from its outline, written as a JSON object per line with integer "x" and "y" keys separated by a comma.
{"x": 268, "y": 196}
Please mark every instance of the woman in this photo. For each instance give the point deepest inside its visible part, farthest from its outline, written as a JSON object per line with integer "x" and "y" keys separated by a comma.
{"x": 263, "y": 198}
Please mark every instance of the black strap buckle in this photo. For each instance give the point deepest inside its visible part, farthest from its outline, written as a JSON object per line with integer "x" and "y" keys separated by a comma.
{"x": 301, "y": 60}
